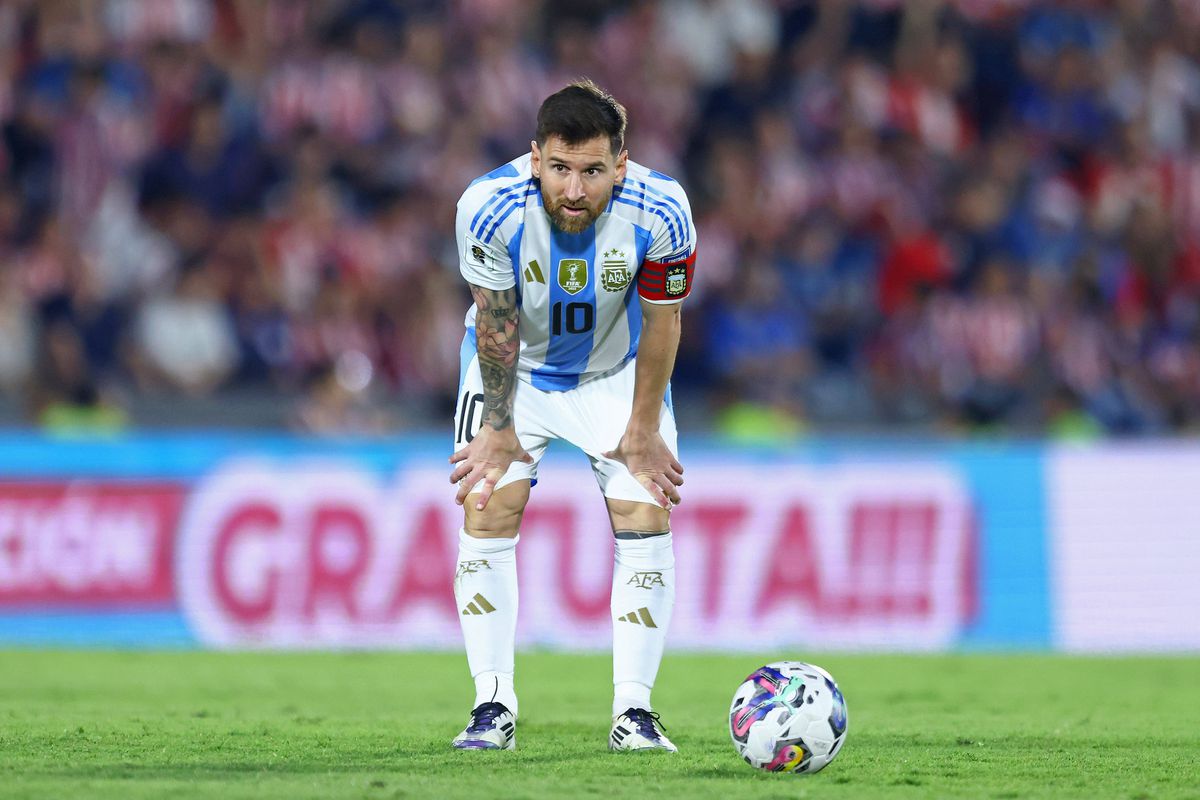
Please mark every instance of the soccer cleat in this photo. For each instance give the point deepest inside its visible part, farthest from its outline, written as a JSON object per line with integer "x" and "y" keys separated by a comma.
{"x": 639, "y": 729}
{"x": 492, "y": 727}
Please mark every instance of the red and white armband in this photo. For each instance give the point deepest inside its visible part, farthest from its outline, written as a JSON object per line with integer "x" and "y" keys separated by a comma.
{"x": 666, "y": 281}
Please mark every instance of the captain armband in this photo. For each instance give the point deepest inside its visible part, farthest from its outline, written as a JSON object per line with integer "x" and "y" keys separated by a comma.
{"x": 666, "y": 281}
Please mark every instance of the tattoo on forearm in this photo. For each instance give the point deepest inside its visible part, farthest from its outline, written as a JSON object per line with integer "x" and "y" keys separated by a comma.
{"x": 496, "y": 330}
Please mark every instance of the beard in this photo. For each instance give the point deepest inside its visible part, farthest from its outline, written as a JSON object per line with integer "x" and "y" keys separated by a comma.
{"x": 568, "y": 224}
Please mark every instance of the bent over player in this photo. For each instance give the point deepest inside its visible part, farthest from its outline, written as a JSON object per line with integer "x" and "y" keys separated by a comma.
{"x": 578, "y": 259}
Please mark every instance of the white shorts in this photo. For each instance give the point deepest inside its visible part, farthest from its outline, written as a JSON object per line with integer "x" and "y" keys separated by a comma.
{"x": 591, "y": 416}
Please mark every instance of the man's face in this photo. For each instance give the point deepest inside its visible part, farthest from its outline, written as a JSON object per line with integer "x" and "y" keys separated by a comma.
{"x": 577, "y": 180}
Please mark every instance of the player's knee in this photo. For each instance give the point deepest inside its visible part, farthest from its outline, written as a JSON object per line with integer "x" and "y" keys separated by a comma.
{"x": 501, "y": 517}
{"x": 629, "y": 515}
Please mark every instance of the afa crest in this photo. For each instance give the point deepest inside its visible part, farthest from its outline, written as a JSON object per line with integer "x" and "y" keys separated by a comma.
{"x": 614, "y": 272}
{"x": 676, "y": 280}
{"x": 646, "y": 580}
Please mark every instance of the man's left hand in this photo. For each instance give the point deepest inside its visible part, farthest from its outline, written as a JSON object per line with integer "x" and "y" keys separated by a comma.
{"x": 649, "y": 460}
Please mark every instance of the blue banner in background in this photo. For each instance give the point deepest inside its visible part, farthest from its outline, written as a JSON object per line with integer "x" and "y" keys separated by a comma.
{"x": 1010, "y": 496}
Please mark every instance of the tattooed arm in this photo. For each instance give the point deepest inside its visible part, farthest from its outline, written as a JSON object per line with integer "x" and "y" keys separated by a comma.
{"x": 496, "y": 330}
{"x": 488, "y": 456}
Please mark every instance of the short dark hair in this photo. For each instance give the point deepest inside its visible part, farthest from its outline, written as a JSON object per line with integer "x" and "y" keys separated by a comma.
{"x": 580, "y": 112}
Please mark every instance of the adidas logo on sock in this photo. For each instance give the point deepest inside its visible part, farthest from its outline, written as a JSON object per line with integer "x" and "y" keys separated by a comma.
{"x": 639, "y": 617}
{"x": 478, "y": 605}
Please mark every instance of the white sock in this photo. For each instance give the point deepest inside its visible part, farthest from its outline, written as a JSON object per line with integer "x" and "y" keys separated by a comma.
{"x": 643, "y": 596}
{"x": 485, "y": 589}
{"x": 496, "y": 687}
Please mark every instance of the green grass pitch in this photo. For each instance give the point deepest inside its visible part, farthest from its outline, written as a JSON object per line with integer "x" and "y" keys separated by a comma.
{"x": 378, "y": 725}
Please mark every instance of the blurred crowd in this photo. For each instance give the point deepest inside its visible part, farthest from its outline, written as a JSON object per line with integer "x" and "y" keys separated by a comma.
{"x": 970, "y": 216}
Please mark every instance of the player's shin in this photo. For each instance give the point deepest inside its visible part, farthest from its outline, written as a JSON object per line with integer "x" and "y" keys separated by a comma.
{"x": 643, "y": 596}
{"x": 485, "y": 590}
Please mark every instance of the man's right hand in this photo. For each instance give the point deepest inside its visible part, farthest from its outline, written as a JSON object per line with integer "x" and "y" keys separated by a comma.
{"x": 486, "y": 458}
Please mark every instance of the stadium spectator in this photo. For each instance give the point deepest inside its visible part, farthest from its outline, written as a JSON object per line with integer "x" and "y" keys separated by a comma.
{"x": 875, "y": 160}
{"x": 186, "y": 338}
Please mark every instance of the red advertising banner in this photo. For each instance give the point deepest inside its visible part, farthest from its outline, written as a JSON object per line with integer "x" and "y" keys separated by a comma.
{"x": 326, "y": 554}
{"x": 88, "y": 543}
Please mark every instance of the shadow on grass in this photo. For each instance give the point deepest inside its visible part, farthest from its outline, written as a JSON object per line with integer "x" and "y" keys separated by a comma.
{"x": 664, "y": 766}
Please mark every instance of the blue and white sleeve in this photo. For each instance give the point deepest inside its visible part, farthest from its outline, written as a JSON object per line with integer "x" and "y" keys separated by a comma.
{"x": 482, "y": 261}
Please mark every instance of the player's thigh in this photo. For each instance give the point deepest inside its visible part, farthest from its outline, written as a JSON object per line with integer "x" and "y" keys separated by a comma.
{"x": 528, "y": 410}
{"x": 602, "y": 409}
{"x": 630, "y": 515}
{"x": 502, "y": 516}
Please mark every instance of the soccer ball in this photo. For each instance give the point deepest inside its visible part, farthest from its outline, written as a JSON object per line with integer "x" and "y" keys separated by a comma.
{"x": 788, "y": 717}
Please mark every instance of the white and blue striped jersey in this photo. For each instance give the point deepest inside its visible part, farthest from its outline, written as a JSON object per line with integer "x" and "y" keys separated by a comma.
{"x": 578, "y": 293}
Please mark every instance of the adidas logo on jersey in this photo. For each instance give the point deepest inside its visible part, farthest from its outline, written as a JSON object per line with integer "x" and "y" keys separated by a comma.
{"x": 478, "y": 605}
{"x": 639, "y": 617}
{"x": 533, "y": 273}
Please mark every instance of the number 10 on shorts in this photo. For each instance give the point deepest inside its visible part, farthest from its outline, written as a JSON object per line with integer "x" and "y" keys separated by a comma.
{"x": 467, "y": 409}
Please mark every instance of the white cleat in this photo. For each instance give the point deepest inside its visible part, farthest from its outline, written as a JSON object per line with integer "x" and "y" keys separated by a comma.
{"x": 639, "y": 729}
{"x": 492, "y": 727}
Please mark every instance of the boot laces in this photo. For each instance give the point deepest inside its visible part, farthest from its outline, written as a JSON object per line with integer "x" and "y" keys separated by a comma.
{"x": 483, "y": 717}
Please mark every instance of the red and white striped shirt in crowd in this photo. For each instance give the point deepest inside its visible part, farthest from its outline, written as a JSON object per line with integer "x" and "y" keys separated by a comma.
{"x": 141, "y": 21}
{"x": 337, "y": 93}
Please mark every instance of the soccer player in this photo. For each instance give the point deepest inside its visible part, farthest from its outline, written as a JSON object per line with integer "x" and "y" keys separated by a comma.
{"x": 578, "y": 259}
